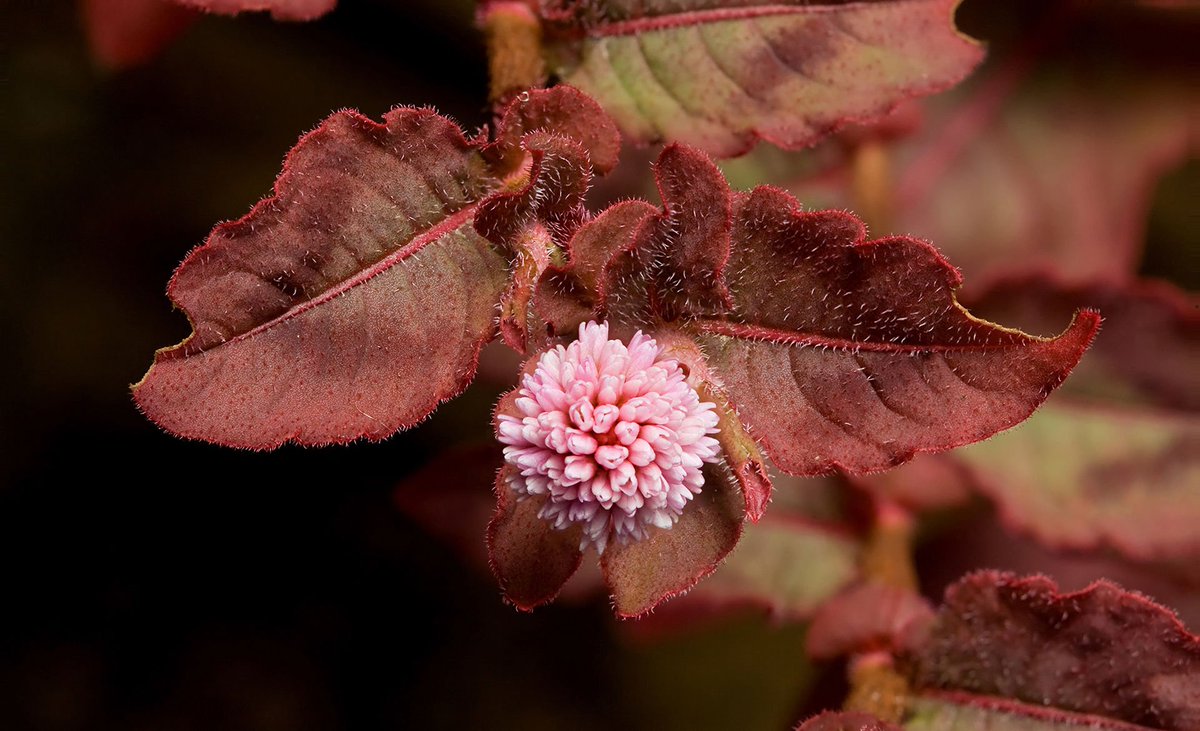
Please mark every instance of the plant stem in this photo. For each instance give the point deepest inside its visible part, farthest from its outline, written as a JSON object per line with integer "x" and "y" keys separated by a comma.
{"x": 872, "y": 184}
{"x": 514, "y": 46}
{"x": 875, "y": 685}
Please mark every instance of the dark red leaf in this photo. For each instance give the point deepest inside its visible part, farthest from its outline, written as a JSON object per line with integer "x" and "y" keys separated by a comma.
{"x": 528, "y": 224}
{"x": 530, "y": 557}
{"x": 564, "y": 111}
{"x": 720, "y": 75}
{"x": 844, "y": 353}
{"x": 643, "y": 573}
{"x": 674, "y": 265}
{"x": 348, "y": 304}
{"x": 1102, "y": 650}
{"x": 279, "y": 9}
{"x": 1148, "y": 354}
{"x": 569, "y": 295}
{"x": 865, "y": 618}
{"x": 123, "y": 33}
{"x": 845, "y": 721}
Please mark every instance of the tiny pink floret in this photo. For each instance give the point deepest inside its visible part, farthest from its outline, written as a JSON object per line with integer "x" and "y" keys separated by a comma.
{"x": 612, "y": 435}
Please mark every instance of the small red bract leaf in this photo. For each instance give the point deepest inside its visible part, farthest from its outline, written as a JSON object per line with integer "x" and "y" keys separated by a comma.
{"x": 843, "y": 353}
{"x": 741, "y": 455}
{"x": 1102, "y": 650}
{"x": 348, "y": 304}
{"x": 530, "y": 557}
{"x": 674, "y": 265}
{"x": 570, "y": 295}
{"x": 668, "y": 562}
{"x": 845, "y": 721}
{"x": 562, "y": 110}
{"x": 123, "y": 33}
{"x": 279, "y": 9}
{"x": 528, "y": 223}
{"x": 1148, "y": 354}
{"x": 720, "y": 74}
{"x": 866, "y": 618}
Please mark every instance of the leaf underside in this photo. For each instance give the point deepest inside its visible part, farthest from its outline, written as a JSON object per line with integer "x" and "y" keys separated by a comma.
{"x": 355, "y": 299}
{"x": 316, "y": 315}
{"x": 1101, "y": 651}
{"x": 722, "y": 75}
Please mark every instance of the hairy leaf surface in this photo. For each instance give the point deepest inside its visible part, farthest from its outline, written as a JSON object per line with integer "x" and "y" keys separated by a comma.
{"x": 643, "y": 573}
{"x": 846, "y": 354}
{"x": 1102, "y": 651}
{"x": 348, "y": 304}
{"x": 721, "y": 75}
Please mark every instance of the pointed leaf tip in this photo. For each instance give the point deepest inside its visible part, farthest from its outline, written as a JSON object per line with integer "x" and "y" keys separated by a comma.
{"x": 841, "y": 353}
{"x": 349, "y": 304}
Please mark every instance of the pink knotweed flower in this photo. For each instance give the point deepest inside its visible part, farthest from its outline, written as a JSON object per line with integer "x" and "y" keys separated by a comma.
{"x": 613, "y": 435}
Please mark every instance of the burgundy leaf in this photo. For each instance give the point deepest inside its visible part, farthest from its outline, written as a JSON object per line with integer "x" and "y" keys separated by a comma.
{"x": 674, "y": 265}
{"x": 279, "y": 9}
{"x": 569, "y": 295}
{"x": 529, "y": 223}
{"x": 530, "y": 557}
{"x": 720, "y": 75}
{"x": 1102, "y": 650}
{"x": 123, "y": 33}
{"x": 845, "y": 721}
{"x": 865, "y": 618}
{"x": 843, "y": 353}
{"x": 741, "y": 455}
{"x": 1148, "y": 354}
{"x": 643, "y": 573}
{"x": 346, "y": 305}
{"x": 564, "y": 111}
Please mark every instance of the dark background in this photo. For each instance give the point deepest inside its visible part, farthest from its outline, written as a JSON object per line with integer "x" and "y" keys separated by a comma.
{"x": 152, "y": 583}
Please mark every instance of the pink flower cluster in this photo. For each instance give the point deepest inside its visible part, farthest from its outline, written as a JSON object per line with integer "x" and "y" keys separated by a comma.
{"x": 614, "y": 436}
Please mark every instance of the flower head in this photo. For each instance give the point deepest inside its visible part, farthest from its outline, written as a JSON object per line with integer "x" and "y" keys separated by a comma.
{"x": 612, "y": 435}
